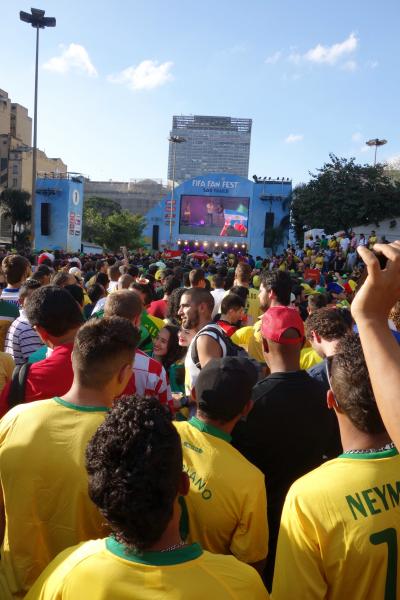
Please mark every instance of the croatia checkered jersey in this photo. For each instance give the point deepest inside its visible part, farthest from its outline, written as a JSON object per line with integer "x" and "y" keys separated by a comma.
{"x": 149, "y": 379}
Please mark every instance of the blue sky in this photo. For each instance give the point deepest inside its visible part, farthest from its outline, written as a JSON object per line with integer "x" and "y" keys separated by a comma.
{"x": 315, "y": 77}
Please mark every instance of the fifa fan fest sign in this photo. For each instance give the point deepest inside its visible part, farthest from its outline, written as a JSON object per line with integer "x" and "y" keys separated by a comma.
{"x": 220, "y": 211}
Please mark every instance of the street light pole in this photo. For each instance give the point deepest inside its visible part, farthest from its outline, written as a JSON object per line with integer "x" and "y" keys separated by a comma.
{"x": 37, "y": 19}
{"x": 34, "y": 153}
{"x": 174, "y": 139}
{"x": 376, "y": 142}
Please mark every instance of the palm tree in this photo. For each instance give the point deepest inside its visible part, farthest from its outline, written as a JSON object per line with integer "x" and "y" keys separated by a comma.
{"x": 15, "y": 206}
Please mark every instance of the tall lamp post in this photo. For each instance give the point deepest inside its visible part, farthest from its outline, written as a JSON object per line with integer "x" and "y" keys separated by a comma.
{"x": 37, "y": 19}
{"x": 174, "y": 140}
{"x": 376, "y": 142}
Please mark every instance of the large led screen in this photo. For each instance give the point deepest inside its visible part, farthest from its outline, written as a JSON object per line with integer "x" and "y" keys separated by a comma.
{"x": 214, "y": 215}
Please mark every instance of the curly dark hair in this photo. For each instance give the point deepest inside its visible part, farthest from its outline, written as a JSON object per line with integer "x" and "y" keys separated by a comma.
{"x": 329, "y": 323}
{"x": 352, "y": 386}
{"x": 173, "y": 305}
{"x": 134, "y": 462}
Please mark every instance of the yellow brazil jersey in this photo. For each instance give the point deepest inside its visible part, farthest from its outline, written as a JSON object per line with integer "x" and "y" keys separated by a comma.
{"x": 44, "y": 502}
{"x": 103, "y": 569}
{"x": 252, "y": 306}
{"x": 249, "y": 338}
{"x": 226, "y": 503}
{"x": 308, "y": 358}
{"x": 340, "y": 531}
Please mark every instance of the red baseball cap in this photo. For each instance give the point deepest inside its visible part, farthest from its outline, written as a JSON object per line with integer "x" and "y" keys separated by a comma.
{"x": 277, "y": 320}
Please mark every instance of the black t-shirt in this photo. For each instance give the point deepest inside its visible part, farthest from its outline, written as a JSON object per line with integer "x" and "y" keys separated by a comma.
{"x": 289, "y": 431}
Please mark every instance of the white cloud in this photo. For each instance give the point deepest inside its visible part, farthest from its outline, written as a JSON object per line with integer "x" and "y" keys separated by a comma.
{"x": 329, "y": 55}
{"x": 372, "y": 64}
{"x": 147, "y": 75}
{"x": 73, "y": 56}
{"x": 356, "y": 137}
{"x": 292, "y": 138}
{"x": 364, "y": 148}
{"x": 349, "y": 65}
{"x": 394, "y": 161}
{"x": 273, "y": 58}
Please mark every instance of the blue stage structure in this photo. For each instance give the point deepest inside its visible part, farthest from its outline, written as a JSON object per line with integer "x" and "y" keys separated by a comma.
{"x": 58, "y": 218}
{"x": 219, "y": 211}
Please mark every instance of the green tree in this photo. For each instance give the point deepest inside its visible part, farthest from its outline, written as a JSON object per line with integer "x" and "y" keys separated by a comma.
{"x": 343, "y": 194}
{"x": 15, "y": 207}
{"x": 103, "y": 206}
{"x": 114, "y": 230}
{"x": 123, "y": 229}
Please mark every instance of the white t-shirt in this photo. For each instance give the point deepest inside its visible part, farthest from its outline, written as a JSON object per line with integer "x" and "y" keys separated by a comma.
{"x": 217, "y": 294}
{"x": 192, "y": 370}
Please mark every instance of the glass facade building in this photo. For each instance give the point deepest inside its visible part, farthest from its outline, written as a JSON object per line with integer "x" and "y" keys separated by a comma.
{"x": 213, "y": 145}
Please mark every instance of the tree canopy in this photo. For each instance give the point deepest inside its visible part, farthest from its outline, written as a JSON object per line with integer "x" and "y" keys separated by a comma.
{"x": 15, "y": 207}
{"x": 342, "y": 195}
{"x": 106, "y": 224}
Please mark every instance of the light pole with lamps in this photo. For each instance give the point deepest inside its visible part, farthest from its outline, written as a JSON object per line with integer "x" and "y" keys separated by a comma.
{"x": 174, "y": 140}
{"x": 376, "y": 142}
{"x": 37, "y": 19}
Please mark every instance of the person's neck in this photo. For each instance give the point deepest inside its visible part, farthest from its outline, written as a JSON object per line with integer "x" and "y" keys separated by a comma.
{"x": 84, "y": 396}
{"x": 278, "y": 364}
{"x": 203, "y": 322}
{"x": 225, "y": 427}
{"x": 329, "y": 347}
{"x": 15, "y": 286}
{"x": 274, "y": 302}
{"x": 171, "y": 535}
{"x": 68, "y": 338}
{"x": 354, "y": 439}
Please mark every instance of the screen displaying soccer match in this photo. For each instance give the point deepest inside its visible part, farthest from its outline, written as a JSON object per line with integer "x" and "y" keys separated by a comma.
{"x": 214, "y": 215}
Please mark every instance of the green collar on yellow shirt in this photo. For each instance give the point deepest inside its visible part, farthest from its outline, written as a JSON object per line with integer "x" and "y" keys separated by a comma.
{"x": 157, "y": 559}
{"x": 211, "y": 429}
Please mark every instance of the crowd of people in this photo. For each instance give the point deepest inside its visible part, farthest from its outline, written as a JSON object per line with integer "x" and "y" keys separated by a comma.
{"x": 210, "y": 425}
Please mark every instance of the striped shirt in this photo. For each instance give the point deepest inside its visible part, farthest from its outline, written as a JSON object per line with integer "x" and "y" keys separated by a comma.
{"x": 149, "y": 379}
{"x": 8, "y": 313}
{"x": 10, "y": 295}
{"x": 21, "y": 339}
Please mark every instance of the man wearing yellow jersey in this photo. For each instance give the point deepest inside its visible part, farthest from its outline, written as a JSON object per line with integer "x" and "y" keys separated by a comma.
{"x": 44, "y": 503}
{"x": 275, "y": 289}
{"x": 136, "y": 479}
{"x": 226, "y": 502}
{"x": 339, "y": 533}
{"x": 243, "y": 277}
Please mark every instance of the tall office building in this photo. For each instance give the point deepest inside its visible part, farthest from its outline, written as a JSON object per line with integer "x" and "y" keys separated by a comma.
{"x": 213, "y": 145}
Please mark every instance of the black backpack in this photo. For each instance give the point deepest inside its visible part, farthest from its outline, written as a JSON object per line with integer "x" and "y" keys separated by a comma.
{"x": 16, "y": 394}
{"x": 232, "y": 349}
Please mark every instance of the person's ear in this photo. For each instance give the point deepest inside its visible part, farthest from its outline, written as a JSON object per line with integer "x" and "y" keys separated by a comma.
{"x": 136, "y": 322}
{"x": 265, "y": 345}
{"x": 184, "y": 484}
{"x": 316, "y": 337}
{"x": 193, "y": 394}
{"x": 332, "y": 402}
{"x": 247, "y": 407}
{"x": 125, "y": 373}
{"x": 42, "y": 333}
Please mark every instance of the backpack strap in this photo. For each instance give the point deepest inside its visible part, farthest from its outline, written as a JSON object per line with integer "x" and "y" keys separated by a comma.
{"x": 16, "y": 394}
{"x": 211, "y": 328}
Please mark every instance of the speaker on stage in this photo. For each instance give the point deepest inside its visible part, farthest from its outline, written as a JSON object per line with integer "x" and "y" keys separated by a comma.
{"x": 45, "y": 218}
{"x": 155, "y": 240}
{"x": 269, "y": 224}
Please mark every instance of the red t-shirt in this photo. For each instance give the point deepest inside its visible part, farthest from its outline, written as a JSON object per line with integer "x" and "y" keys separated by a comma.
{"x": 47, "y": 378}
{"x": 158, "y": 308}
